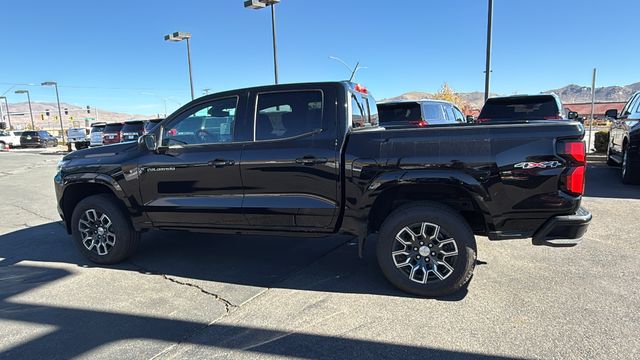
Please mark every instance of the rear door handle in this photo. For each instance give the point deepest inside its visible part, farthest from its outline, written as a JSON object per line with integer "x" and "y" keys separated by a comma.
{"x": 218, "y": 163}
{"x": 311, "y": 160}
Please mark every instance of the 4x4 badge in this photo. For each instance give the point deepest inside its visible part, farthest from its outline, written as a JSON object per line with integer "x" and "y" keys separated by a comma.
{"x": 540, "y": 165}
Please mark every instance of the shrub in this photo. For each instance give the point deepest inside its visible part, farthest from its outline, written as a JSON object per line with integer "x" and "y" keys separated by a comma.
{"x": 601, "y": 141}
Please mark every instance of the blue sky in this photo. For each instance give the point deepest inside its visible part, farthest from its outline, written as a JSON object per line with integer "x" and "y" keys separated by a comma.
{"x": 111, "y": 54}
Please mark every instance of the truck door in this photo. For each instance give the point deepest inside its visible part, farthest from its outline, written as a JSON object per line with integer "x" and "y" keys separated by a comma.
{"x": 194, "y": 178}
{"x": 290, "y": 170}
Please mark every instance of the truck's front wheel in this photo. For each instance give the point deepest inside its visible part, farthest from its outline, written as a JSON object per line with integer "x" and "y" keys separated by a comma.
{"x": 102, "y": 231}
{"x": 426, "y": 249}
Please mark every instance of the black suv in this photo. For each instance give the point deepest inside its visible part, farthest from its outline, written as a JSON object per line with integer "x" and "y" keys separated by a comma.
{"x": 624, "y": 140}
{"x": 132, "y": 130}
{"x": 524, "y": 108}
{"x": 37, "y": 139}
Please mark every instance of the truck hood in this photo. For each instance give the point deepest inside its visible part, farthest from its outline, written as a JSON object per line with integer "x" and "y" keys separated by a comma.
{"x": 102, "y": 151}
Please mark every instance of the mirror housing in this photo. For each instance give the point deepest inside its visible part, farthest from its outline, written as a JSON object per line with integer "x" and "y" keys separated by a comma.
{"x": 470, "y": 119}
{"x": 149, "y": 141}
{"x": 611, "y": 113}
{"x": 572, "y": 115}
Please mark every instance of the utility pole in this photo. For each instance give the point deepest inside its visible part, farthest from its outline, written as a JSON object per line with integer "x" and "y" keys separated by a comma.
{"x": 487, "y": 71}
{"x": 593, "y": 106}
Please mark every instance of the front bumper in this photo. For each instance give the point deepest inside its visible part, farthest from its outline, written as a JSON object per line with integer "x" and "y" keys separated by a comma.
{"x": 564, "y": 230}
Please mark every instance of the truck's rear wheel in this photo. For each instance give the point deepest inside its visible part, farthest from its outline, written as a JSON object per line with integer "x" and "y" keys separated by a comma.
{"x": 102, "y": 231}
{"x": 630, "y": 175}
{"x": 426, "y": 249}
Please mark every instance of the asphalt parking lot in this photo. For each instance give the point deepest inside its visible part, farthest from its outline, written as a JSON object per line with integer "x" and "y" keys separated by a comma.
{"x": 204, "y": 296}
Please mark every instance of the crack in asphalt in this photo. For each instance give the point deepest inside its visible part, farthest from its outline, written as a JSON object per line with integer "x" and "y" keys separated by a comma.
{"x": 228, "y": 306}
{"x": 33, "y": 213}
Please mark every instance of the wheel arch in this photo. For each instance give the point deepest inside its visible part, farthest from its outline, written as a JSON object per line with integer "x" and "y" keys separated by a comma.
{"x": 78, "y": 187}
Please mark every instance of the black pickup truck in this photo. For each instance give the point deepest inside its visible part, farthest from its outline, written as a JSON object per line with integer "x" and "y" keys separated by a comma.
{"x": 311, "y": 160}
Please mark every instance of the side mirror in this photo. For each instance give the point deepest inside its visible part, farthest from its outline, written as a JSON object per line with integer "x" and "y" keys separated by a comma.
{"x": 572, "y": 115}
{"x": 148, "y": 141}
{"x": 470, "y": 119}
{"x": 611, "y": 113}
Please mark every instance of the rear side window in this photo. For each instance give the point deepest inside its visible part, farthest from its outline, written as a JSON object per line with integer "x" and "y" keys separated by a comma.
{"x": 282, "y": 115}
{"x": 434, "y": 113}
{"x": 133, "y": 126}
{"x": 399, "y": 113}
{"x": 30, "y": 133}
{"x": 520, "y": 108}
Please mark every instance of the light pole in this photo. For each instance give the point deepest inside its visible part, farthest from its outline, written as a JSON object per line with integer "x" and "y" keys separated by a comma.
{"x": 6, "y": 103}
{"x": 179, "y": 36}
{"x": 33, "y": 125}
{"x": 55, "y": 84}
{"x": 487, "y": 71}
{"x": 259, "y": 4}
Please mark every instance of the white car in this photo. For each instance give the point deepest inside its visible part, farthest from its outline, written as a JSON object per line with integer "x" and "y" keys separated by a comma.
{"x": 10, "y": 138}
{"x": 95, "y": 138}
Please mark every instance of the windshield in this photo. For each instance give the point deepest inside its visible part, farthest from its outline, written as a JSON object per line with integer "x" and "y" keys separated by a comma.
{"x": 97, "y": 128}
{"x": 399, "y": 112}
{"x": 520, "y": 108}
{"x": 112, "y": 127}
{"x": 137, "y": 126}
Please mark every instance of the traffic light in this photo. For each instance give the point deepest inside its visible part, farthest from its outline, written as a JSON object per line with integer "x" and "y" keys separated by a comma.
{"x": 42, "y": 117}
{"x": 3, "y": 125}
{"x": 66, "y": 111}
{"x": 88, "y": 109}
{"x": 47, "y": 112}
{"x": 70, "y": 118}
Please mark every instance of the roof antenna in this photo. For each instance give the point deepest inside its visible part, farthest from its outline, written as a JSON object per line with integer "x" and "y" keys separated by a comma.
{"x": 353, "y": 71}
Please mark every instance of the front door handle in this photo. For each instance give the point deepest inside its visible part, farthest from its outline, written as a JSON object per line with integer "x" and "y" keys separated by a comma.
{"x": 311, "y": 160}
{"x": 218, "y": 163}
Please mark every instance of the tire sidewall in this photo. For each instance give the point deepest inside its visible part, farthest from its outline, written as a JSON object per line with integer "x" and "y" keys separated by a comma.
{"x": 452, "y": 224}
{"x": 126, "y": 237}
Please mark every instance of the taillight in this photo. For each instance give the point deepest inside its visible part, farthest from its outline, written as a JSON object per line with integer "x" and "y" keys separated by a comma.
{"x": 419, "y": 123}
{"x": 574, "y": 176}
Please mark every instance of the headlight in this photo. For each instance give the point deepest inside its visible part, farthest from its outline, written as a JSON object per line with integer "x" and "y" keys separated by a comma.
{"x": 61, "y": 164}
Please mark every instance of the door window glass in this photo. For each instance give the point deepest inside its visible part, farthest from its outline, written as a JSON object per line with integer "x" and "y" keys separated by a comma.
{"x": 282, "y": 115}
{"x": 458, "y": 115}
{"x": 450, "y": 116}
{"x": 209, "y": 123}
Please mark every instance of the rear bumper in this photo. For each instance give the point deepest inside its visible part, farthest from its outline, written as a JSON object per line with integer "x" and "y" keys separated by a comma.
{"x": 564, "y": 230}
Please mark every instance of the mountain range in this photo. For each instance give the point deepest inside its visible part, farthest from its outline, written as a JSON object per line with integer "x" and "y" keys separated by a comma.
{"x": 568, "y": 94}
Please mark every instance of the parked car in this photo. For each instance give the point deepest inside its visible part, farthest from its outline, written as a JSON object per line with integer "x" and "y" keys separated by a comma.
{"x": 38, "y": 138}
{"x": 77, "y": 138}
{"x": 10, "y": 138}
{"x": 624, "y": 140}
{"x": 95, "y": 136}
{"x": 310, "y": 160}
{"x": 150, "y": 124}
{"x": 418, "y": 113}
{"x": 112, "y": 133}
{"x": 132, "y": 130}
{"x": 524, "y": 108}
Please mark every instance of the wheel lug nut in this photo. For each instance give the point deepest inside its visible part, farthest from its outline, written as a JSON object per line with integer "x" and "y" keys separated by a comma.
{"x": 415, "y": 249}
{"x": 421, "y": 242}
{"x": 430, "y": 245}
{"x": 418, "y": 257}
{"x": 433, "y": 253}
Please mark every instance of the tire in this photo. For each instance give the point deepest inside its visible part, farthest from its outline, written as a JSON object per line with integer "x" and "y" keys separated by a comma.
{"x": 610, "y": 161}
{"x": 630, "y": 175}
{"x": 407, "y": 272}
{"x": 116, "y": 238}
{"x": 44, "y": 145}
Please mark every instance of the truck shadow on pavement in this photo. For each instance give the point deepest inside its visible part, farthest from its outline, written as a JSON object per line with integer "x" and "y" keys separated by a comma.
{"x": 78, "y": 331}
{"x": 257, "y": 261}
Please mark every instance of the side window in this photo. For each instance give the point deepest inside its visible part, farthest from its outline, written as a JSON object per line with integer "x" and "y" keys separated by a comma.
{"x": 208, "y": 123}
{"x": 627, "y": 108}
{"x": 460, "y": 118}
{"x": 373, "y": 111}
{"x": 357, "y": 113}
{"x": 450, "y": 116}
{"x": 282, "y": 115}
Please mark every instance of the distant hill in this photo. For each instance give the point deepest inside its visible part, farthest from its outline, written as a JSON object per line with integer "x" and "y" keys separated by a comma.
{"x": 569, "y": 94}
{"x": 78, "y": 113}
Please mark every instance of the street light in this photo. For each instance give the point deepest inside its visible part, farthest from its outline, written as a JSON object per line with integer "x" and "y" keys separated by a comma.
{"x": 257, "y": 5}
{"x": 33, "y": 125}
{"x": 6, "y": 103}
{"x": 179, "y": 36}
{"x": 55, "y": 84}
{"x": 487, "y": 71}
